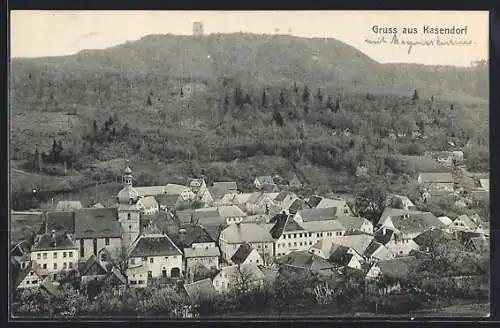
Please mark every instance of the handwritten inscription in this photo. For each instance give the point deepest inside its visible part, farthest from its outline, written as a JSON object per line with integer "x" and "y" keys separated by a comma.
{"x": 433, "y": 36}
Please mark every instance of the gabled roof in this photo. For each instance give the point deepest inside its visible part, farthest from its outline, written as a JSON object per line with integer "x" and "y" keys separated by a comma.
{"x": 296, "y": 206}
{"x": 398, "y": 268}
{"x": 416, "y": 222}
{"x": 191, "y": 234}
{"x": 305, "y": 260}
{"x": 150, "y": 191}
{"x": 372, "y": 248}
{"x": 265, "y": 179}
{"x": 318, "y": 214}
{"x": 331, "y": 202}
{"x": 49, "y": 242}
{"x": 322, "y": 226}
{"x": 230, "y": 211}
{"x": 217, "y": 193}
{"x": 246, "y": 232}
{"x": 226, "y": 185}
{"x": 432, "y": 237}
{"x": 97, "y": 223}
{"x": 478, "y": 244}
{"x": 175, "y": 189}
{"x": 23, "y": 273}
{"x": 91, "y": 262}
{"x": 207, "y": 212}
{"x": 147, "y": 202}
{"x": 384, "y": 238}
{"x": 281, "y": 196}
{"x": 242, "y": 253}
{"x": 49, "y": 287}
{"x": 484, "y": 183}
{"x": 168, "y": 200}
{"x": 279, "y": 221}
{"x": 339, "y": 255}
{"x": 352, "y": 222}
{"x": 314, "y": 200}
{"x": 436, "y": 177}
{"x": 250, "y": 269}
{"x": 154, "y": 245}
{"x": 200, "y": 289}
{"x": 467, "y": 221}
{"x": 201, "y": 252}
{"x": 68, "y": 205}
{"x": 270, "y": 187}
{"x": 358, "y": 242}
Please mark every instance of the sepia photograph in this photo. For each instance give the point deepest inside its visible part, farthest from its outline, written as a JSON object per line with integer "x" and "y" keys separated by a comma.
{"x": 260, "y": 165}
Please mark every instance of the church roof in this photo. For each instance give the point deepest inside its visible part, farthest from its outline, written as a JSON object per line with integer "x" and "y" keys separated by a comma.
{"x": 128, "y": 193}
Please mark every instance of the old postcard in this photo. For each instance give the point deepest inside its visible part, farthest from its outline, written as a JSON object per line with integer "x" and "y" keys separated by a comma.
{"x": 252, "y": 164}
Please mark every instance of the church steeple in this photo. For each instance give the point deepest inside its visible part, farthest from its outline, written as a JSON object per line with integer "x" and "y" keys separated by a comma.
{"x": 128, "y": 195}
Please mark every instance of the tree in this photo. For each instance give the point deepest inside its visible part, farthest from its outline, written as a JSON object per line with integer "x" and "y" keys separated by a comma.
{"x": 247, "y": 100}
{"x": 238, "y": 96}
{"x": 69, "y": 302}
{"x": 182, "y": 93}
{"x": 320, "y": 96}
{"x": 295, "y": 88}
{"x": 306, "y": 95}
{"x": 415, "y": 95}
{"x": 282, "y": 97}
{"x": 329, "y": 103}
{"x": 278, "y": 118}
{"x": 337, "y": 105}
{"x": 148, "y": 101}
{"x": 264, "y": 98}
{"x": 370, "y": 200}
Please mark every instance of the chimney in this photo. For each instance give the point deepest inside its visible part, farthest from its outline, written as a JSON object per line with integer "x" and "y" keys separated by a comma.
{"x": 53, "y": 236}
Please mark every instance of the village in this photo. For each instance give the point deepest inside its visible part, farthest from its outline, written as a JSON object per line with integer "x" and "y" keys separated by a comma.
{"x": 207, "y": 239}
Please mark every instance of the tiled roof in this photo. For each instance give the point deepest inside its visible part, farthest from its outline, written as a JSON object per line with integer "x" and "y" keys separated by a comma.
{"x": 47, "y": 242}
{"x": 292, "y": 225}
{"x": 296, "y": 206}
{"x": 217, "y": 193}
{"x": 372, "y": 248}
{"x": 383, "y": 238}
{"x": 339, "y": 255}
{"x": 251, "y": 269}
{"x": 357, "y": 242}
{"x": 49, "y": 287}
{"x": 246, "y": 232}
{"x": 279, "y": 221}
{"x": 432, "y": 237}
{"x": 230, "y": 211}
{"x": 305, "y": 260}
{"x": 150, "y": 191}
{"x": 97, "y": 223}
{"x": 467, "y": 221}
{"x": 270, "y": 187}
{"x": 328, "y": 203}
{"x": 60, "y": 221}
{"x": 90, "y": 262}
{"x": 242, "y": 253}
{"x": 318, "y": 214}
{"x": 321, "y": 226}
{"x": 148, "y": 202}
{"x": 228, "y": 185}
{"x": 445, "y": 220}
{"x": 68, "y": 205}
{"x": 416, "y": 222}
{"x": 201, "y": 289}
{"x": 168, "y": 200}
{"x": 175, "y": 189}
{"x": 314, "y": 201}
{"x": 191, "y": 234}
{"x": 265, "y": 179}
{"x": 436, "y": 177}
{"x": 352, "y": 222}
{"x": 398, "y": 268}
{"x": 154, "y": 245}
{"x": 281, "y": 196}
{"x": 207, "y": 212}
{"x": 201, "y": 252}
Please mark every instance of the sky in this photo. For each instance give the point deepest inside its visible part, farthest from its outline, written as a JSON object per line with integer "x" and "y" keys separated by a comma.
{"x": 59, "y": 33}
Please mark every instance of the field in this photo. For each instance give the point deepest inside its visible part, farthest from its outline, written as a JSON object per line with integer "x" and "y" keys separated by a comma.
{"x": 26, "y": 181}
{"x": 423, "y": 163}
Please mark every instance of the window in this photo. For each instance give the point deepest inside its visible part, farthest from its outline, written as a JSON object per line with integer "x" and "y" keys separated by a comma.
{"x": 128, "y": 216}
{"x": 45, "y": 265}
{"x": 31, "y": 273}
{"x": 258, "y": 246}
{"x": 70, "y": 254}
{"x": 64, "y": 254}
{"x": 279, "y": 245}
{"x": 300, "y": 243}
{"x": 44, "y": 256}
{"x": 310, "y": 243}
{"x": 82, "y": 248}
{"x": 289, "y": 244}
{"x": 300, "y": 235}
{"x": 55, "y": 266}
{"x": 295, "y": 243}
{"x": 133, "y": 282}
{"x": 310, "y": 234}
{"x": 151, "y": 260}
{"x": 284, "y": 236}
{"x": 130, "y": 227}
{"x": 34, "y": 282}
{"x": 294, "y": 235}
{"x": 257, "y": 261}
{"x": 106, "y": 241}
{"x": 145, "y": 258}
{"x": 265, "y": 246}
{"x": 55, "y": 255}
{"x": 166, "y": 258}
{"x": 150, "y": 274}
{"x": 65, "y": 265}
{"x": 71, "y": 265}
{"x": 27, "y": 282}
{"x": 95, "y": 246}
{"x": 132, "y": 261}
{"x": 38, "y": 256}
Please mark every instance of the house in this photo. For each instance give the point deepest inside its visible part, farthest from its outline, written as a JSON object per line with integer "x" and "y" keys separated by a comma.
{"x": 206, "y": 254}
{"x": 157, "y": 254}
{"x": 463, "y": 223}
{"x": 231, "y": 276}
{"x": 353, "y": 223}
{"x": 246, "y": 254}
{"x": 484, "y": 184}
{"x": 53, "y": 253}
{"x": 313, "y": 201}
{"x": 293, "y": 181}
{"x": 168, "y": 201}
{"x": 68, "y": 206}
{"x": 150, "y": 191}
{"x": 377, "y": 252}
{"x": 478, "y": 244}
{"x": 296, "y": 206}
{"x": 137, "y": 276}
{"x": 201, "y": 289}
{"x": 316, "y": 214}
{"x": 432, "y": 239}
{"x": 61, "y": 222}
{"x": 148, "y": 205}
{"x": 28, "y": 278}
{"x": 176, "y": 189}
{"x": 270, "y": 187}
{"x": 300, "y": 261}
{"x": 232, "y": 214}
{"x": 356, "y": 244}
{"x": 343, "y": 256}
{"x": 260, "y": 181}
{"x": 95, "y": 229}
{"x": 20, "y": 253}
{"x": 255, "y": 234}
{"x": 258, "y": 203}
{"x": 404, "y": 202}
{"x": 436, "y": 182}
{"x": 408, "y": 224}
{"x": 337, "y": 202}
{"x": 393, "y": 272}
{"x": 93, "y": 270}
{"x": 200, "y": 190}
{"x": 284, "y": 200}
